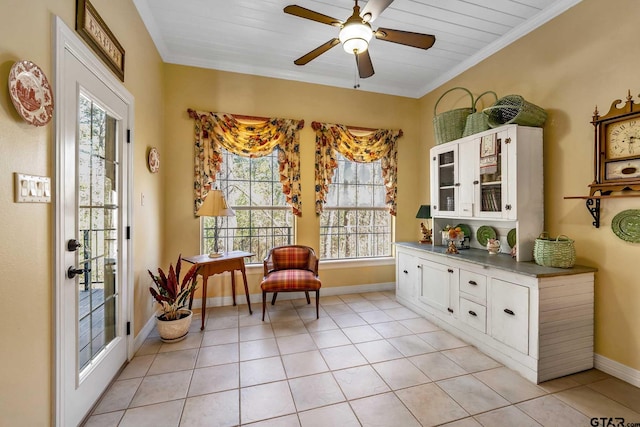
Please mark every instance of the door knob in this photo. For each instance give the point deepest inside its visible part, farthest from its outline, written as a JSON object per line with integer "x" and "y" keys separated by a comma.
{"x": 73, "y": 245}
{"x": 72, "y": 271}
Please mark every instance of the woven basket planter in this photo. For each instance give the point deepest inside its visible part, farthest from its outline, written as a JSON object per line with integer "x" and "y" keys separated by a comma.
{"x": 558, "y": 252}
{"x": 477, "y": 121}
{"x": 450, "y": 125}
{"x": 514, "y": 109}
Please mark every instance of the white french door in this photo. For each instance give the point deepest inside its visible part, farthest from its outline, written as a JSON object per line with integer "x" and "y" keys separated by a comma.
{"x": 92, "y": 216}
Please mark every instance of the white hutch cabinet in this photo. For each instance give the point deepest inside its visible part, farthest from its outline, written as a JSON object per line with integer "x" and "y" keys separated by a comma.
{"x": 536, "y": 320}
{"x": 493, "y": 177}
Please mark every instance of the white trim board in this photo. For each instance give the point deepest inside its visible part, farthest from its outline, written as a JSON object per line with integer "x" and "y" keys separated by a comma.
{"x": 328, "y": 291}
{"x": 617, "y": 369}
{"x": 257, "y": 299}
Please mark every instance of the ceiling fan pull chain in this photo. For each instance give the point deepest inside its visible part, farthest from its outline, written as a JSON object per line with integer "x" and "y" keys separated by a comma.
{"x": 356, "y": 76}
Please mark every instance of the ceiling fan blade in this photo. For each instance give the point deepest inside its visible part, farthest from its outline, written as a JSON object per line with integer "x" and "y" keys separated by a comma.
{"x": 421, "y": 41}
{"x": 365, "y": 66}
{"x": 304, "y": 59}
{"x": 310, "y": 14}
{"x": 374, "y": 8}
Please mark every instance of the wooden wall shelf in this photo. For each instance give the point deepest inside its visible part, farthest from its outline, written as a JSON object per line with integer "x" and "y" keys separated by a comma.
{"x": 593, "y": 204}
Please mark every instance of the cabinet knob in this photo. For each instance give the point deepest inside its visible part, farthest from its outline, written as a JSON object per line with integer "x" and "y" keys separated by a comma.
{"x": 450, "y": 310}
{"x": 457, "y": 184}
{"x": 435, "y": 208}
{"x": 472, "y": 282}
{"x": 449, "y": 270}
{"x": 473, "y": 313}
{"x": 508, "y": 207}
{"x": 419, "y": 266}
{"x": 506, "y": 310}
{"x": 476, "y": 182}
{"x": 405, "y": 271}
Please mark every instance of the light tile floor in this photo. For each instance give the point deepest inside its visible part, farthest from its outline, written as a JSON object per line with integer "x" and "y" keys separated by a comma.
{"x": 368, "y": 361}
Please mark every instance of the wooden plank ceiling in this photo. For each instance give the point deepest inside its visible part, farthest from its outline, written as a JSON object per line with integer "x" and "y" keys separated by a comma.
{"x": 257, "y": 37}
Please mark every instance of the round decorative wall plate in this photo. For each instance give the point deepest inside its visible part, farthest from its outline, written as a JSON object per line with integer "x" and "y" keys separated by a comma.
{"x": 511, "y": 237}
{"x": 465, "y": 229}
{"x": 31, "y": 93}
{"x": 626, "y": 225}
{"x": 153, "y": 160}
{"x": 485, "y": 233}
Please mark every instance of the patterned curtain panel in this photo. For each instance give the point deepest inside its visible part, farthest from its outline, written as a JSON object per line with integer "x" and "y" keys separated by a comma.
{"x": 214, "y": 131}
{"x": 370, "y": 147}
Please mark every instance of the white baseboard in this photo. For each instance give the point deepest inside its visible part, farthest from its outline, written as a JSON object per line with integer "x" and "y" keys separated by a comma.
{"x": 143, "y": 334}
{"x": 257, "y": 298}
{"x": 617, "y": 369}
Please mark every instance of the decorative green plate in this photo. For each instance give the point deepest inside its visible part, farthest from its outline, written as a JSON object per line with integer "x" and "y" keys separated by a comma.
{"x": 485, "y": 233}
{"x": 626, "y": 225}
{"x": 465, "y": 229}
{"x": 511, "y": 237}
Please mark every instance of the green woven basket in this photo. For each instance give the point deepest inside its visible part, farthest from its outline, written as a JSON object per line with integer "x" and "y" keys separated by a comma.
{"x": 514, "y": 109}
{"x": 449, "y": 125}
{"x": 558, "y": 252}
{"x": 477, "y": 121}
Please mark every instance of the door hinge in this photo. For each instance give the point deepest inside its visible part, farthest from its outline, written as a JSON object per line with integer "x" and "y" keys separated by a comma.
{"x": 128, "y": 136}
{"x": 128, "y": 232}
{"x": 128, "y": 328}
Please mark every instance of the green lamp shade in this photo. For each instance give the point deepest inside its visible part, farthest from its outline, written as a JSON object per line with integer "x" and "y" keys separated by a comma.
{"x": 424, "y": 212}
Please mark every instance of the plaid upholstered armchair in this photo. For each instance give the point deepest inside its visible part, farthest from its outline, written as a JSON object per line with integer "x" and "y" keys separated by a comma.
{"x": 292, "y": 268}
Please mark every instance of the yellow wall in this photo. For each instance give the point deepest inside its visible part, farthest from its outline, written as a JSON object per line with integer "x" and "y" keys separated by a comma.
{"x": 587, "y": 56}
{"x": 208, "y": 90}
{"x": 26, "y": 368}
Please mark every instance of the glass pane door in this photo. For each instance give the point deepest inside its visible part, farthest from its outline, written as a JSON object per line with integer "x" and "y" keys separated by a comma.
{"x": 97, "y": 230}
{"x": 446, "y": 181}
{"x": 491, "y": 174}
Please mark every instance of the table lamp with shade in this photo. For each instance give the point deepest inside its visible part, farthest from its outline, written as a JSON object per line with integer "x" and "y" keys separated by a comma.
{"x": 424, "y": 212}
{"x": 215, "y": 205}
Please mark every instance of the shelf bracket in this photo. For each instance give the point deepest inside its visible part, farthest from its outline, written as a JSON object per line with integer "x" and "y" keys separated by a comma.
{"x": 593, "y": 205}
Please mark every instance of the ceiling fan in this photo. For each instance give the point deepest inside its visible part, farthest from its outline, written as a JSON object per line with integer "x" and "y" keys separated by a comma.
{"x": 355, "y": 34}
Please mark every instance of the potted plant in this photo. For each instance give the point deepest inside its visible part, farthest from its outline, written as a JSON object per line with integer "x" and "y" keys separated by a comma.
{"x": 174, "y": 321}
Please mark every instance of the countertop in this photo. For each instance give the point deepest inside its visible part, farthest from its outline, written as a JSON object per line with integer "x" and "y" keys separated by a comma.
{"x": 499, "y": 261}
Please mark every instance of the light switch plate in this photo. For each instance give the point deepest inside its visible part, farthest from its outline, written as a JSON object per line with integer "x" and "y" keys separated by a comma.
{"x": 32, "y": 188}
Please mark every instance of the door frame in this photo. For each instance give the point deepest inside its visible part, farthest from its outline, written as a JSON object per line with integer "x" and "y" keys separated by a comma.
{"x": 64, "y": 39}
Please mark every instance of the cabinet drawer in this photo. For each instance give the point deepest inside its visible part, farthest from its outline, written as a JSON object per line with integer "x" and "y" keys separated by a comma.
{"x": 473, "y": 314}
{"x": 474, "y": 284}
{"x": 510, "y": 314}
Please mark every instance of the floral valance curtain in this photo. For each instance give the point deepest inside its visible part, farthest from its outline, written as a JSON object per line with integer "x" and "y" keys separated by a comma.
{"x": 251, "y": 138}
{"x": 369, "y": 147}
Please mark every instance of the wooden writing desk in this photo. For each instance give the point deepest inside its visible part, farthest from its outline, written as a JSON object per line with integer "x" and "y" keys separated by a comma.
{"x": 228, "y": 261}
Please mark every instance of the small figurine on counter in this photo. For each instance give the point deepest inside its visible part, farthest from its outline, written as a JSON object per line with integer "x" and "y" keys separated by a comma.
{"x": 451, "y": 249}
{"x": 426, "y": 234}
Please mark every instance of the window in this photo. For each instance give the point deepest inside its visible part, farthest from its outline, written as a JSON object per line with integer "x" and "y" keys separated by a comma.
{"x": 263, "y": 219}
{"x": 355, "y": 222}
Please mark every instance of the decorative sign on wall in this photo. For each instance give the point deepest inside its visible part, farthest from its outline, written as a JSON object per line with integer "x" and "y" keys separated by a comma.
{"x": 94, "y": 31}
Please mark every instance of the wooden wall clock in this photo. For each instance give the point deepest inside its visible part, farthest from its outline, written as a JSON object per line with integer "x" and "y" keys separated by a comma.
{"x": 617, "y": 148}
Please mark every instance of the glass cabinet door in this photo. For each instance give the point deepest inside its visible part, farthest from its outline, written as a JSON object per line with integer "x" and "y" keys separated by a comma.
{"x": 491, "y": 193}
{"x": 446, "y": 175}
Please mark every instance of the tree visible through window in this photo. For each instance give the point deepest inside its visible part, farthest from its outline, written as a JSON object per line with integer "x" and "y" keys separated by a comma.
{"x": 355, "y": 222}
{"x": 263, "y": 218}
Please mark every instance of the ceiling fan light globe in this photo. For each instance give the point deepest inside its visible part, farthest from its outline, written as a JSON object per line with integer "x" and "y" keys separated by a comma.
{"x": 355, "y": 46}
{"x": 355, "y": 37}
